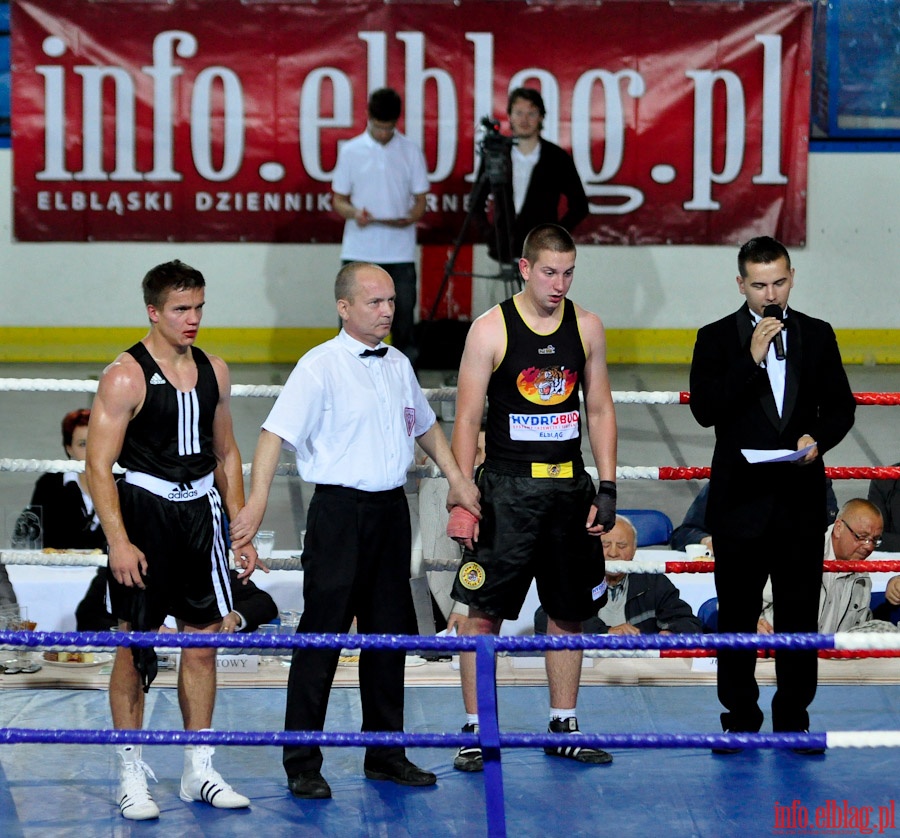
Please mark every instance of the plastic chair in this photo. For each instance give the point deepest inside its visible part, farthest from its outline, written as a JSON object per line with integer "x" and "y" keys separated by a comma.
{"x": 653, "y": 526}
{"x": 708, "y": 614}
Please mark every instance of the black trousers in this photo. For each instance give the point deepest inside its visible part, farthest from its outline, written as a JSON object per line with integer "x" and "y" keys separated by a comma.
{"x": 794, "y": 561}
{"x": 356, "y": 564}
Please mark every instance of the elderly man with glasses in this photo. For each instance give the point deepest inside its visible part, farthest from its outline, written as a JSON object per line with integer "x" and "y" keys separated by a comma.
{"x": 844, "y": 602}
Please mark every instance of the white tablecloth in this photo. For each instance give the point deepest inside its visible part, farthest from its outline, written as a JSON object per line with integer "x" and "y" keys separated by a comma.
{"x": 51, "y": 594}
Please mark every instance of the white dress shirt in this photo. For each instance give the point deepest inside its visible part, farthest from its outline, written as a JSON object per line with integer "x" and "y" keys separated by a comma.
{"x": 351, "y": 421}
{"x": 522, "y": 167}
{"x": 774, "y": 367}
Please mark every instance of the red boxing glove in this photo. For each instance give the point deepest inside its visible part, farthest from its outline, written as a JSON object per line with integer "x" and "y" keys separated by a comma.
{"x": 461, "y": 525}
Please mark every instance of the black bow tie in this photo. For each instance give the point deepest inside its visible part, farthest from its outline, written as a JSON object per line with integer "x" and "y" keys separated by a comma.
{"x": 368, "y": 353}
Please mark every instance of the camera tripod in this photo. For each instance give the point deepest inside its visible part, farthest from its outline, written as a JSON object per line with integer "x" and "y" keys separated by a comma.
{"x": 494, "y": 179}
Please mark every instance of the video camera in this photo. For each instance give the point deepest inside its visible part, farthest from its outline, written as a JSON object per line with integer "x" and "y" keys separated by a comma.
{"x": 494, "y": 148}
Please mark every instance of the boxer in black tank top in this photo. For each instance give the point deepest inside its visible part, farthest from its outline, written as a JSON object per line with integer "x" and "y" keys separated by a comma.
{"x": 531, "y": 357}
{"x": 162, "y": 412}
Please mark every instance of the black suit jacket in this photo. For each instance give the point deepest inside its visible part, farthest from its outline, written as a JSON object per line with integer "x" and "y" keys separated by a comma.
{"x": 554, "y": 177}
{"x": 730, "y": 392}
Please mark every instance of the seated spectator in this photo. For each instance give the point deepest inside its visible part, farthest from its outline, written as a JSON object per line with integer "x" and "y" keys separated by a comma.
{"x": 61, "y": 503}
{"x": 692, "y": 529}
{"x": 845, "y": 597}
{"x": 252, "y": 607}
{"x": 891, "y": 600}
{"x": 61, "y": 513}
{"x": 885, "y": 495}
{"x": 638, "y": 603}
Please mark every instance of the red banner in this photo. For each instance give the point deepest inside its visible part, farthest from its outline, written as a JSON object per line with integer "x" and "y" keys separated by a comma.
{"x": 220, "y": 120}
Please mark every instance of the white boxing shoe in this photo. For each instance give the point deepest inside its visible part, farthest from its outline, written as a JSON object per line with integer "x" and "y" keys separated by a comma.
{"x": 202, "y": 782}
{"x": 134, "y": 798}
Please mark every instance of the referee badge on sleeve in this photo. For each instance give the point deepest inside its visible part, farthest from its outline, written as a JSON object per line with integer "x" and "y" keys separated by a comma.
{"x": 409, "y": 415}
{"x": 471, "y": 576}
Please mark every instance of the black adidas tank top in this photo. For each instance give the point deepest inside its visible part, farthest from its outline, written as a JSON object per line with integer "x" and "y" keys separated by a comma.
{"x": 172, "y": 435}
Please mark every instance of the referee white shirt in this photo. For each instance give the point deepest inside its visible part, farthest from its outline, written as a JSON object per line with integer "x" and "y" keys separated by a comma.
{"x": 351, "y": 421}
{"x": 383, "y": 179}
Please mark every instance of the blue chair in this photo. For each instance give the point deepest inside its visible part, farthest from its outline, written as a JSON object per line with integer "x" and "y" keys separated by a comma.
{"x": 708, "y": 613}
{"x": 653, "y": 526}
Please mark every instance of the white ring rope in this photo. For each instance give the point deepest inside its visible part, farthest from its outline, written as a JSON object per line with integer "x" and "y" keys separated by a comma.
{"x": 48, "y": 385}
{"x": 82, "y": 558}
{"x": 271, "y": 391}
{"x": 290, "y": 469}
{"x": 863, "y": 739}
{"x": 866, "y": 641}
{"x": 642, "y": 566}
{"x": 85, "y": 558}
{"x": 62, "y": 558}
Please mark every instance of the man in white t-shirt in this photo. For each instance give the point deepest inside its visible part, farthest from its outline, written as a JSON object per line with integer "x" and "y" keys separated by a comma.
{"x": 379, "y": 188}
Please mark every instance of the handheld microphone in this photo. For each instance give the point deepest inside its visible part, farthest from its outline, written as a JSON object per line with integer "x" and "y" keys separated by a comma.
{"x": 776, "y": 312}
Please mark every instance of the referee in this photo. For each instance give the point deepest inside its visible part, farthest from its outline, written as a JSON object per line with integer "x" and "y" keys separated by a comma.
{"x": 352, "y": 412}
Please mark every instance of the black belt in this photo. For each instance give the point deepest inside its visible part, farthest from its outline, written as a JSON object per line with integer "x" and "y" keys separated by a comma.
{"x": 358, "y": 494}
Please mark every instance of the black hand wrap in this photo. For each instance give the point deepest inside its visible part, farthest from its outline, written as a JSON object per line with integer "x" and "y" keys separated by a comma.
{"x": 605, "y": 501}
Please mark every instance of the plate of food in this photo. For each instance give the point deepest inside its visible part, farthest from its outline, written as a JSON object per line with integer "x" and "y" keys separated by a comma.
{"x": 76, "y": 659}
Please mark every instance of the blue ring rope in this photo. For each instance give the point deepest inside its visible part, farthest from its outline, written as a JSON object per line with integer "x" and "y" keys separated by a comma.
{"x": 411, "y": 642}
{"x": 485, "y": 647}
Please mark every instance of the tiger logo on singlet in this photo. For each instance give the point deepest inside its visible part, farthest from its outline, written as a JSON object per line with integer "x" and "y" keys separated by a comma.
{"x": 547, "y": 385}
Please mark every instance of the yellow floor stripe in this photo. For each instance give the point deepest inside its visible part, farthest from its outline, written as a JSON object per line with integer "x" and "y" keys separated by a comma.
{"x": 28, "y": 344}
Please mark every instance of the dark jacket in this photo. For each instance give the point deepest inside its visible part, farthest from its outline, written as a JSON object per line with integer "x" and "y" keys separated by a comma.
{"x": 653, "y": 605}
{"x": 692, "y": 529}
{"x": 252, "y": 603}
{"x": 554, "y": 177}
{"x": 730, "y": 392}
{"x": 65, "y": 522}
{"x": 885, "y": 494}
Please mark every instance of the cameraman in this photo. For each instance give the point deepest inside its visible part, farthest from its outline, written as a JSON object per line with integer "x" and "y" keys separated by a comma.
{"x": 542, "y": 173}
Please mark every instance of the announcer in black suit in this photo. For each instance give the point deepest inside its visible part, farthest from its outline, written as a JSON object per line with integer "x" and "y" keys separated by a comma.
{"x": 769, "y": 518}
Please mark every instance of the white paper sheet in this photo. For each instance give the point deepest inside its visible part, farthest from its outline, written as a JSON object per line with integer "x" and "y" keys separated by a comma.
{"x": 776, "y": 455}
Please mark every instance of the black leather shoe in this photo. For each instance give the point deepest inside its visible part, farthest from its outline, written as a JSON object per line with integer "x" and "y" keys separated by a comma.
{"x": 309, "y": 785}
{"x": 400, "y": 771}
{"x": 723, "y": 751}
{"x": 809, "y": 752}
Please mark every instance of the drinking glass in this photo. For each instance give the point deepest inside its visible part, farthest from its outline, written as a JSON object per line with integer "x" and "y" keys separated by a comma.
{"x": 289, "y": 622}
{"x": 15, "y": 618}
{"x": 267, "y": 654}
{"x": 264, "y": 542}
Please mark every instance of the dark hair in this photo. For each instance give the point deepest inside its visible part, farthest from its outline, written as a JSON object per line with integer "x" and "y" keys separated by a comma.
{"x": 529, "y": 94}
{"x": 550, "y": 237}
{"x": 74, "y": 419}
{"x": 385, "y": 105}
{"x": 760, "y": 251}
{"x": 169, "y": 276}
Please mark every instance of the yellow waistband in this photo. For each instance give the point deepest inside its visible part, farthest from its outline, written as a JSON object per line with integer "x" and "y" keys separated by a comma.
{"x": 552, "y": 469}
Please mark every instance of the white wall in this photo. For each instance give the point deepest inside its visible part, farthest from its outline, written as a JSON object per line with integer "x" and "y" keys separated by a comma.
{"x": 846, "y": 273}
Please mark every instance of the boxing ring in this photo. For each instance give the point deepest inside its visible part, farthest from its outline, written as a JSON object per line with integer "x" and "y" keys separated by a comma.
{"x": 503, "y": 775}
